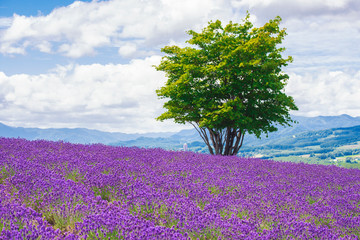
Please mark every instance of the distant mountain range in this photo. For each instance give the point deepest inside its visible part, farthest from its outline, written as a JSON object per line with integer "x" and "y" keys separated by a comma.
{"x": 73, "y": 135}
{"x": 195, "y": 143}
{"x": 306, "y": 124}
{"x": 171, "y": 140}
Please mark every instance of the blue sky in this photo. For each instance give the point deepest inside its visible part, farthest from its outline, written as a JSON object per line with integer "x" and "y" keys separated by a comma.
{"x": 88, "y": 63}
{"x": 31, "y": 8}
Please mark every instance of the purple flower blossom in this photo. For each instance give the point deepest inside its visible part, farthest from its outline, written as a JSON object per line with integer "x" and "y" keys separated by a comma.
{"x": 57, "y": 190}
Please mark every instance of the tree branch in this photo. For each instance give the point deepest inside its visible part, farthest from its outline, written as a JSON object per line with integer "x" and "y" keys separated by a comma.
{"x": 203, "y": 135}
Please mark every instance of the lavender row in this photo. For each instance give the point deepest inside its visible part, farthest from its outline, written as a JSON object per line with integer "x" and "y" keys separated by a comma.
{"x": 57, "y": 190}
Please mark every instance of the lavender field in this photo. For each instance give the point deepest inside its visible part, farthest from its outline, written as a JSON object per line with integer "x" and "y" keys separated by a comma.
{"x": 57, "y": 190}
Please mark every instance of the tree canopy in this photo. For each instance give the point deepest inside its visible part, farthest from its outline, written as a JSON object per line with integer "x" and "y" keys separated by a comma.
{"x": 227, "y": 82}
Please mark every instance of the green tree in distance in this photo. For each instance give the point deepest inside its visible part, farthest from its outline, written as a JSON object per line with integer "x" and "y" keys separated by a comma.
{"x": 228, "y": 84}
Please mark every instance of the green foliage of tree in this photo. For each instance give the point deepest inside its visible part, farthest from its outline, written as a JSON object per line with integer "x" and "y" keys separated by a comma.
{"x": 228, "y": 82}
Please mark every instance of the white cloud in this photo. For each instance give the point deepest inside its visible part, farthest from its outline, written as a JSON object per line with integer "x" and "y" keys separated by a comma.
{"x": 122, "y": 97}
{"x": 140, "y": 28}
{"x": 322, "y": 37}
{"x": 295, "y": 8}
{"x": 82, "y": 27}
{"x": 326, "y": 93}
{"x": 5, "y": 22}
{"x": 110, "y": 97}
{"x": 44, "y": 47}
{"x": 127, "y": 50}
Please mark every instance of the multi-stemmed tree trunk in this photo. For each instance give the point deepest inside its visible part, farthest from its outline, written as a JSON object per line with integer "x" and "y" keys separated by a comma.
{"x": 224, "y": 142}
{"x": 229, "y": 84}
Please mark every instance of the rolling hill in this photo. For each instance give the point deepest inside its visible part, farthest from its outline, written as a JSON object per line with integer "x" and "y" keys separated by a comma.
{"x": 175, "y": 141}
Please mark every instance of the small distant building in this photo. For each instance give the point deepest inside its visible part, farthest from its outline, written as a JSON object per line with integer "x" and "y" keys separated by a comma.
{"x": 185, "y": 147}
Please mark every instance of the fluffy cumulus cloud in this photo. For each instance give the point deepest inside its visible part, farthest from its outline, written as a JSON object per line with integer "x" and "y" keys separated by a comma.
{"x": 138, "y": 28}
{"x": 108, "y": 97}
{"x": 296, "y": 8}
{"x": 322, "y": 37}
{"x": 82, "y": 27}
{"x": 326, "y": 93}
{"x": 321, "y": 33}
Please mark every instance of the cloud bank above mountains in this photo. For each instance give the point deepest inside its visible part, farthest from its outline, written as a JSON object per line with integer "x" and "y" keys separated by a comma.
{"x": 90, "y": 63}
{"x": 97, "y": 96}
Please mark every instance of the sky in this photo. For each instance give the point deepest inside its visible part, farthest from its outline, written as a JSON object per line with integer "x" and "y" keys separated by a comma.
{"x": 89, "y": 64}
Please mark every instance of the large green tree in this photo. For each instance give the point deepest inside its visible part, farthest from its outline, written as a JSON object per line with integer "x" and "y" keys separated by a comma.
{"x": 228, "y": 82}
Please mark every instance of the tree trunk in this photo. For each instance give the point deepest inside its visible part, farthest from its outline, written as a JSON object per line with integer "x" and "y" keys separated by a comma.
{"x": 216, "y": 140}
{"x": 222, "y": 142}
